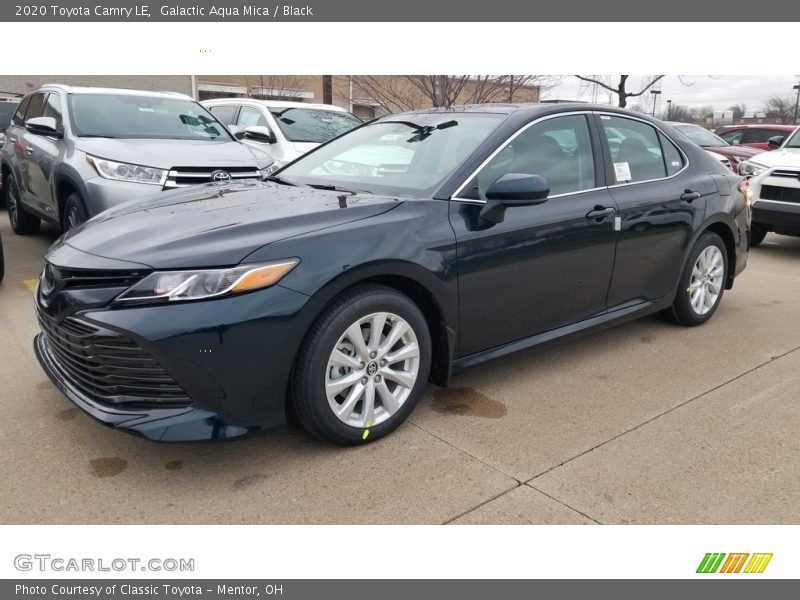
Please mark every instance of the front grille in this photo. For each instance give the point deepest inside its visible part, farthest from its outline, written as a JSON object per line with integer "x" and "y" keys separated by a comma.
{"x": 62, "y": 278}
{"x": 107, "y": 366}
{"x": 785, "y": 173}
{"x": 781, "y": 194}
{"x": 185, "y": 176}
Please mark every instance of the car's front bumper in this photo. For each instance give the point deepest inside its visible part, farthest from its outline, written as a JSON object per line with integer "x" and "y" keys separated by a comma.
{"x": 781, "y": 217}
{"x": 233, "y": 358}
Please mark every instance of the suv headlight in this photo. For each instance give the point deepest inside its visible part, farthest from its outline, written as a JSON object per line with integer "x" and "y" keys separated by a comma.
{"x": 271, "y": 168}
{"x": 749, "y": 168}
{"x": 172, "y": 286}
{"x": 109, "y": 169}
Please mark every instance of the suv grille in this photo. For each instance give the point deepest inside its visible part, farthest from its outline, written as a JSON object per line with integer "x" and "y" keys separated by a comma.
{"x": 185, "y": 176}
{"x": 781, "y": 194}
{"x": 785, "y": 173}
{"x": 107, "y": 366}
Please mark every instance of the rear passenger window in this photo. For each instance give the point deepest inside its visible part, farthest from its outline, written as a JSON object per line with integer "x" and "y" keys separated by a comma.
{"x": 36, "y": 107}
{"x": 635, "y": 148}
{"x": 760, "y": 136}
{"x": 672, "y": 156}
{"x": 19, "y": 116}
{"x": 558, "y": 149}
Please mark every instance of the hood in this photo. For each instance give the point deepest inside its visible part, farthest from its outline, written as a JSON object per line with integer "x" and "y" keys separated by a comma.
{"x": 303, "y": 147}
{"x": 731, "y": 151}
{"x": 214, "y": 225}
{"x": 782, "y": 157}
{"x": 165, "y": 154}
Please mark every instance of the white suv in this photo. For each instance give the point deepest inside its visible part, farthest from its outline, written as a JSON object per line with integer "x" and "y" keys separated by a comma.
{"x": 775, "y": 184}
{"x": 286, "y": 130}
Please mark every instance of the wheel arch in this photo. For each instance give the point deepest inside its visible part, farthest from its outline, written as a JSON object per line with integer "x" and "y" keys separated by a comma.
{"x": 724, "y": 231}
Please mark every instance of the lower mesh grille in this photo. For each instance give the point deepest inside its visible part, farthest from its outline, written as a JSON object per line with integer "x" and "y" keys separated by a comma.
{"x": 107, "y": 366}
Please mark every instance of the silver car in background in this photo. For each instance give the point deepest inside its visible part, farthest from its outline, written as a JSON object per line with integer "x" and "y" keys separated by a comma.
{"x": 71, "y": 153}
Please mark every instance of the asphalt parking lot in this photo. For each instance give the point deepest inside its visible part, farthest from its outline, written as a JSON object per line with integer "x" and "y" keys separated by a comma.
{"x": 646, "y": 423}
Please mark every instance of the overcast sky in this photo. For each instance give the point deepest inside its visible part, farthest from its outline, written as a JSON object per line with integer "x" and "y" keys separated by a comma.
{"x": 720, "y": 91}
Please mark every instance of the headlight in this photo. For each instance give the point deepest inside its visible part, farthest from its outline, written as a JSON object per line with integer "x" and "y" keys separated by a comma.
{"x": 271, "y": 168}
{"x": 749, "y": 168}
{"x": 171, "y": 286}
{"x": 117, "y": 171}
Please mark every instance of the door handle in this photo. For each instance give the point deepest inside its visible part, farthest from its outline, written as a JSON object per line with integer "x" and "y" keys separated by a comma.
{"x": 600, "y": 212}
{"x": 690, "y": 196}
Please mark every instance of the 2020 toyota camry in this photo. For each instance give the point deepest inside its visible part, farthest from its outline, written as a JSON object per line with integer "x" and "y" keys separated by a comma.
{"x": 403, "y": 251}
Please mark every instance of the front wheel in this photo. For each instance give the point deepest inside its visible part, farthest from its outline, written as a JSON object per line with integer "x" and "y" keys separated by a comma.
{"x": 74, "y": 212}
{"x": 702, "y": 282}
{"x": 362, "y": 367}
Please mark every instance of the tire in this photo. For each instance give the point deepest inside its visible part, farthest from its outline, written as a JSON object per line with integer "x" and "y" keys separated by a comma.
{"x": 757, "y": 234}
{"x": 22, "y": 223}
{"x": 702, "y": 282}
{"x": 74, "y": 213}
{"x": 329, "y": 354}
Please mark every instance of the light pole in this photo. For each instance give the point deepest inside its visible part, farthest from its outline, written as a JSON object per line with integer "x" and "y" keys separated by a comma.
{"x": 797, "y": 101}
{"x": 655, "y": 97}
{"x": 669, "y": 109}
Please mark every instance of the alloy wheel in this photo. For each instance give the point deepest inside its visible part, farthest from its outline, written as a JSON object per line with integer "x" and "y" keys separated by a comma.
{"x": 372, "y": 369}
{"x": 12, "y": 203}
{"x": 706, "y": 283}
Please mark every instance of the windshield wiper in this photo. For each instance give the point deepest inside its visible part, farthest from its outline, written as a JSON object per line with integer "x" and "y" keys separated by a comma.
{"x": 337, "y": 188}
{"x": 276, "y": 179}
{"x": 99, "y": 135}
{"x": 424, "y": 131}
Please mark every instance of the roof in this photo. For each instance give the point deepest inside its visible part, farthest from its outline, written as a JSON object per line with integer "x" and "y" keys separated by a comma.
{"x": 776, "y": 126}
{"x": 527, "y": 107}
{"x": 274, "y": 103}
{"x": 71, "y": 89}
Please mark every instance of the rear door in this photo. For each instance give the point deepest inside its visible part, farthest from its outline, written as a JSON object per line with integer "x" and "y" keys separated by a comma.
{"x": 543, "y": 266}
{"x": 658, "y": 197}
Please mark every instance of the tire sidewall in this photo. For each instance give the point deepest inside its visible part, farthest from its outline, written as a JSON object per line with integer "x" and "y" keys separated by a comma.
{"x": 73, "y": 200}
{"x": 705, "y": 240}
{"x": 333, "y": 328}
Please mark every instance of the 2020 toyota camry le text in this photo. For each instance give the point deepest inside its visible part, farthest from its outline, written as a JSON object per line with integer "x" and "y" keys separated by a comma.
{"x": 399, "y": 253}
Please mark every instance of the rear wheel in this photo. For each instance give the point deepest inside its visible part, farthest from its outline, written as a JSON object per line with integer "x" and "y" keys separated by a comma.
{"x": 362, "y": 367}
{"x": 702, "y": 282}
{"x": 22, "y": 223}
{"x": 757, "y": 234}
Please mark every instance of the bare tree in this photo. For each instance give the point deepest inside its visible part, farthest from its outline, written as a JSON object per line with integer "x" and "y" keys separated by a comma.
{"x": 680, "y": 113}
{"x": 261, "y": 86}
{"x": 620, "y": 86}
{"x": 780, "y": 108}
{"x": 738, "y": 110}
{"x": 409, "y": 92}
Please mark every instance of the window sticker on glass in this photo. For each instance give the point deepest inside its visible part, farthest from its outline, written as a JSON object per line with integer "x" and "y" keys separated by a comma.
{"x": 623, "y": 171}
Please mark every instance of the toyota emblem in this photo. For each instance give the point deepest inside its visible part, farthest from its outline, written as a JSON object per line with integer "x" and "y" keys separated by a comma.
{"x": 220, "y": 176}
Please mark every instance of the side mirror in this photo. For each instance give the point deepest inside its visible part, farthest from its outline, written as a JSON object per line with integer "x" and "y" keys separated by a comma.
{"x": 43, "y": 126}
{"x": 776, "y": 141}
{"x": 236, "y": 131}
{"x": 259, "y": 133}
{"x": 513, "y": 189}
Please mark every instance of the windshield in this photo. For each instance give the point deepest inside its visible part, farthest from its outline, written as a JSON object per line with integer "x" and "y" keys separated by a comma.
{"x": 701, "y": 137}
{"x": 312, "y": 125}
{"x": 403, "y": 155}
{"x": 793, "y": 141}
{"x": 142, "y": 117}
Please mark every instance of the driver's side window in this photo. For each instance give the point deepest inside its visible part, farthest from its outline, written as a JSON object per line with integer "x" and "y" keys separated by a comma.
{"x": 557, "y": 149}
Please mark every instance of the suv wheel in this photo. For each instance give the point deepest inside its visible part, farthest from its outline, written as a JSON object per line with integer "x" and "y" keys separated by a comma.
{"x": 702, "y": 282}
{"x": 362, "y": 367}
{"x": 74, "y": 212}
{"x": 21, "y": 222}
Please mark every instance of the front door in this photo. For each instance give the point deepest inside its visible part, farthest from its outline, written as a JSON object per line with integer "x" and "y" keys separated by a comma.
{"x": 544, "y": 266}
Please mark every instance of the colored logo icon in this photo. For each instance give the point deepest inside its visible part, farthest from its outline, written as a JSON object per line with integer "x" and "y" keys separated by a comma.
{"x": 719, "y": 562}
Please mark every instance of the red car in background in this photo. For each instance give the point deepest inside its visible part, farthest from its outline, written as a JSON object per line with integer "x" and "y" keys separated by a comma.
{"x": 713, "y": 143}
{"x": 754, "y": 136}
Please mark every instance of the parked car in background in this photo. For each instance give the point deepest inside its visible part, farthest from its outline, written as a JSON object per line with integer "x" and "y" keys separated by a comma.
{"x": 73, "y": 152}
{"x": 775, "y": 187}
{"x": 285, "y": 130}
{"x": 7, "y": 108}
{"x": 335, "y": 294}
{"x": 754, "y": 136}
{"x": 713, "y": 143}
